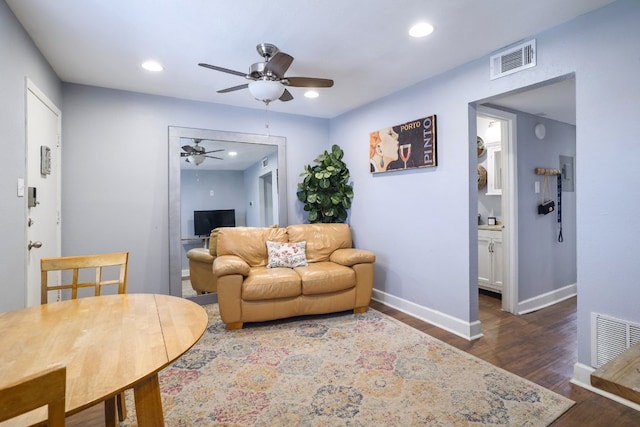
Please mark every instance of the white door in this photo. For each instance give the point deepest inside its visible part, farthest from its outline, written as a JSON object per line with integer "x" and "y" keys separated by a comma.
{"x": 43, "y": 218}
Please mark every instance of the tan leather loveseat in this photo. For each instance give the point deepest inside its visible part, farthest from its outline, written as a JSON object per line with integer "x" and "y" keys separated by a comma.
{"x": 336, "y": 278}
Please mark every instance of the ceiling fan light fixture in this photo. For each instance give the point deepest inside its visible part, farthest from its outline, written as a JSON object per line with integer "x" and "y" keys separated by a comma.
{"x": 266, "y": 90}
{"x": 196, "y": 159}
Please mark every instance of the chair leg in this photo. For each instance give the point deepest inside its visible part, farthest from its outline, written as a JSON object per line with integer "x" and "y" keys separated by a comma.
{"x": 121, "y": 406}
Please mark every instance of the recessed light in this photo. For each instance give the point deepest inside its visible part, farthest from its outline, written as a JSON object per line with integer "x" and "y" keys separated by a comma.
{"x": 152, "y": 66}
{"x": 311, "y": 94}
{"x": 421, "y": 29}
{"x": 233, "y": 153}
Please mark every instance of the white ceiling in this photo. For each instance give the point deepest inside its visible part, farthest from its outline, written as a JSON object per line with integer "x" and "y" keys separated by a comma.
{"x": 361, "y": 44}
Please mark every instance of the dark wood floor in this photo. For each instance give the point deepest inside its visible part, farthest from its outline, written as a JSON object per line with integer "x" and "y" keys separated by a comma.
{"x": 539, "y": 346}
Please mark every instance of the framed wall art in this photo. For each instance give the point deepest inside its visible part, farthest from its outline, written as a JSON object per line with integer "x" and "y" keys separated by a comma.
{"x": 406, "y": 146}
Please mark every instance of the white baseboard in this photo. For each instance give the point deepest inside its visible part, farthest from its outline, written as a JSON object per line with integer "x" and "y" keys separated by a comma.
{"x": 466, "y": 330}
{"x": 546, "y": 300}
{"x": 185, "y": 274}
{"x": 582, "y": 378}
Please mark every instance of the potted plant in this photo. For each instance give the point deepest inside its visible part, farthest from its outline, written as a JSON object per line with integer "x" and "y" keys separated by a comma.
{"x": 324, "y": 189}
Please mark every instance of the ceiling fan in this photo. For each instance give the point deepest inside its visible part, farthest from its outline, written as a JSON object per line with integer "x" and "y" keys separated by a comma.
{"x": 268, "y": 81}
{"x": 196, "y": 153}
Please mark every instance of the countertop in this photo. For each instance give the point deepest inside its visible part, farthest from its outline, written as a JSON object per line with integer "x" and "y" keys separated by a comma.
{"x": 490, "y": 227}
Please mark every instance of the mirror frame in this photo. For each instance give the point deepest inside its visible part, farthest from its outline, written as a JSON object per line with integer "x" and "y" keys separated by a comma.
{"x": 175, "y": 232}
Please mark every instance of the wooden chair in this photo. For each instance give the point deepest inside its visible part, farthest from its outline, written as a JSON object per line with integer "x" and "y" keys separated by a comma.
{"x": 75, "y": 264}
{"x": 46, "y": 388}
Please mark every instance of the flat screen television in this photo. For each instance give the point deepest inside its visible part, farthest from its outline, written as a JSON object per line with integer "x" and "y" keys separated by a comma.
{"x": 205, "y": 221}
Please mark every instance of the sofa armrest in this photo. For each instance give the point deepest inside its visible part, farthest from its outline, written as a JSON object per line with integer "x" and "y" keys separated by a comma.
{"x": 200, "y": 255}
{"x": 352, "y": 256}
{"x": 226, "y": 265}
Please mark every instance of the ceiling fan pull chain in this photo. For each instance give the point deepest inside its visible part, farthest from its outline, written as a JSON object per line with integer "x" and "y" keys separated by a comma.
{"x": 266, "y": 125}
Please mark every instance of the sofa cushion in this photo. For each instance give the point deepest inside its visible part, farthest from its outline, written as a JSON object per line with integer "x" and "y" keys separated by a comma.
{"x": 286, "y": 255}
{"x": 325, "y": 277}
{"x": 270, "y": 283}
{"x": 249, "y": 243}
{"x": 322, "y": 239}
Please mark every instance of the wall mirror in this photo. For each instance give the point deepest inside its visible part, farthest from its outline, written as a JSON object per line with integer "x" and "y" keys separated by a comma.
{"x": 243, "y": 173}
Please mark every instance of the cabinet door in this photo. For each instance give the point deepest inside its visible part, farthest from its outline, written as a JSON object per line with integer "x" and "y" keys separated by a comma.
{"x": 496, "y": 264}
{"x": 484, "y": 261}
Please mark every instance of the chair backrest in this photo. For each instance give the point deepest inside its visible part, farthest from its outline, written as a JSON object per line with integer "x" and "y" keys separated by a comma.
{"x": 77, "y": 263}
{"x": 46, "y": 388}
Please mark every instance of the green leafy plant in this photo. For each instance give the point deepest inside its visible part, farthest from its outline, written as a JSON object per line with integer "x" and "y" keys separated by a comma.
{"x": 324, "y": 189}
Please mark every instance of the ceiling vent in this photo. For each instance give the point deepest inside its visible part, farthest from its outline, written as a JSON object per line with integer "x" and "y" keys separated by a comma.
{"x": 512, "y": 60}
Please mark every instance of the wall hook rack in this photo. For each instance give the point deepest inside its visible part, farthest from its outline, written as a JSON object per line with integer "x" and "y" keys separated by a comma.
{"x": 547, "y": 171}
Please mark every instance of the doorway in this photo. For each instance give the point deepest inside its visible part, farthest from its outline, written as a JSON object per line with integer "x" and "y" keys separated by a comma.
{"x": 266, "y": 199}
{"x": 497, "y": 224}
{"x": 527, "y": 235}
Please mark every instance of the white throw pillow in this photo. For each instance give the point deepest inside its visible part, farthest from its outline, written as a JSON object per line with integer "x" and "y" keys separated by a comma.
{"x": 287, "y": 255}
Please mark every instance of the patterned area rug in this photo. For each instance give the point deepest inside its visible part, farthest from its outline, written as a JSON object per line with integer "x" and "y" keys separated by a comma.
{"x": 342, "y": 370}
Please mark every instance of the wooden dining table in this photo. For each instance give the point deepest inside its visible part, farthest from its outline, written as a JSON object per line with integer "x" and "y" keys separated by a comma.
{"x": 108, "y": 343}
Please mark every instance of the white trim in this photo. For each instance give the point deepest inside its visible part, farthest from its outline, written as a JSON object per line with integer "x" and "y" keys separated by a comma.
{"x": 509, "y": 205}
{"x": 470, "y": 331}
{"x": 546, "y": 300}
{"x": 582, "y": 378}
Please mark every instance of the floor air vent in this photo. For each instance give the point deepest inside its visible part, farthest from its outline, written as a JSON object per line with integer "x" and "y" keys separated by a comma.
{"x": 512, "y": 60}
{"x": 610, "y": 337}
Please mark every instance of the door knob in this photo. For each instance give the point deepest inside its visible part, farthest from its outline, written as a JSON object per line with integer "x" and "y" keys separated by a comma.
{"x": 35, "y": 244}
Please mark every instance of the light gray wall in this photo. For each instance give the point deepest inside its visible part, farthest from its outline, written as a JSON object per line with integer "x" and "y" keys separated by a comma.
{"x": 545, "y": 264}
{"x": 422, "y": 223}
{"x": 115, "y": 170}
{"x": 19, "y": 59}
{"x": 195, "y": 193}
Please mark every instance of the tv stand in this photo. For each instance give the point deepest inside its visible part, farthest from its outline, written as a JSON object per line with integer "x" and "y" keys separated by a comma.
{"x": 204, "y": 240}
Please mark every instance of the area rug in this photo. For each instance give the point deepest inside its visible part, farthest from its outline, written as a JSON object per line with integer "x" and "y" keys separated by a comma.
{"x": 342, "y": 370}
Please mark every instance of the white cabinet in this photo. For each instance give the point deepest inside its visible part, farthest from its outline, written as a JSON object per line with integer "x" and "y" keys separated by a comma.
{"x": 494, "y": 168}
{"x": 490, "y": 260}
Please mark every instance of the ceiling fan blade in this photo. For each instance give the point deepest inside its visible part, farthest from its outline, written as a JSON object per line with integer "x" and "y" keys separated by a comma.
{"x": 213, "y": 151}
{"x": 279, "y": 64}
{"x": 234, "y": 88}
{"x": 309, "y": 82}
{"x": 286, "y": 96}
{"x": 189, "y": 149}
{"x": 214, "y": 157}
{"x": 224, "y": 70}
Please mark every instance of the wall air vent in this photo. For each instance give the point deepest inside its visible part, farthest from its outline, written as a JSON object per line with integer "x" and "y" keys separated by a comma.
{"x": 610, "y": 337}
{"x": 512, "y": 60}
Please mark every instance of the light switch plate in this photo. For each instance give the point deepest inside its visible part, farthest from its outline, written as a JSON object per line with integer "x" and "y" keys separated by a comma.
{"x": 20, "y": 187}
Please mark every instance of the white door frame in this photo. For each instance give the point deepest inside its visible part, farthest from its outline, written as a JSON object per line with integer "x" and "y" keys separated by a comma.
{"x": 509, "y": 205}
{"x": 48, "y": 213}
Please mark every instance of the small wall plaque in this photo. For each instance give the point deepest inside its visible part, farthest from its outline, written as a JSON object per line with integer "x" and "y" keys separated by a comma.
{"x": 45, "y": 160}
